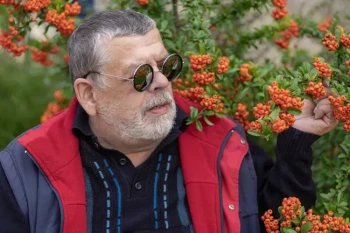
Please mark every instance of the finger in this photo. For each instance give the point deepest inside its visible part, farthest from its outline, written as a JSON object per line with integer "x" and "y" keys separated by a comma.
{"x": 308, "y": 108}
{"x": 323, "y": 110}
{"x": 322, "y": 102}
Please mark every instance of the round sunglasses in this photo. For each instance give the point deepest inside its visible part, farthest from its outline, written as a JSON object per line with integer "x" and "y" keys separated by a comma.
{"x": 144, "y": 73}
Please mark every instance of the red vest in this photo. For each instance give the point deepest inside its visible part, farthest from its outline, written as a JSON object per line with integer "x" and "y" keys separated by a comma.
{"x": 211, "y": 181}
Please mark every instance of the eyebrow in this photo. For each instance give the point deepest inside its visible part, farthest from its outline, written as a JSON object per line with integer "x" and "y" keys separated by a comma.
{"x": 148, "y": 61}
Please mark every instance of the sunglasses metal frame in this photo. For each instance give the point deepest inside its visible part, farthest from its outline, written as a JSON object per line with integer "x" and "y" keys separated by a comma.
{"x": 152, "y": 71}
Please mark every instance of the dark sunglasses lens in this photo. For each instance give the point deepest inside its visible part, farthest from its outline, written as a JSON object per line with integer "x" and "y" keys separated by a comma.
{"x": 172, "y": 67}
{"x": 143, "y": 77}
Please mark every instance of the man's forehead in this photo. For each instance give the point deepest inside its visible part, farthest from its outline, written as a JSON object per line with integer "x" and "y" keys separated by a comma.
{"x": 148, "y": 58}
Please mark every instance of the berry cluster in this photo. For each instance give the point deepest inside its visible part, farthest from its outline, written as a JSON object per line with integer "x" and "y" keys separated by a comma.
{"x": 337, "y": 101}
{"x": 324, "y": 26}
{"x": 282, "y": 42}
{"x": 291, "y": 31}
{"x": 34, "y": 6}
{"x": 199, "y": 62}
{"x": 255, "y": 125}
{"x": 179, "y": 82}
{"x": 341, "y": 110}
{"x": 204, "y": 78}
{"x": 330, "y": 42}
{"x": 41, "y": 57}
{"x": 280, "y": 10}
{"x": 193, "y": 94}
{"x": 283, "y": 97}
{"x": 7, "y": 41}
{"x": 288, "y": 118}
{"x": 346, "y": 125}
{"x": 345, "y": 40}
{"x": 316, "y": 90}
{"x": 7, "y": 2}
{"x": 291, "y": 211}
{"x": 222, "y": 67}
{"x": 241, "y": 115}
{"x": 142, "y": 2}
{"x": 212, "y": 103}
{"x": 54, "y": 108}
{"x": 261, "y": 110}
{"x": 64, "y": 25}
{"x": 72, "y": 9}
{"x": 244, "y": 72}
{"x": 322, "y": 68}
{"x": 279, "y": 125}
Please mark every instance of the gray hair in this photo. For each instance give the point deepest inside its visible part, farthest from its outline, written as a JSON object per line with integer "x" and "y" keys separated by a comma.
{"x": 85, "y": 44}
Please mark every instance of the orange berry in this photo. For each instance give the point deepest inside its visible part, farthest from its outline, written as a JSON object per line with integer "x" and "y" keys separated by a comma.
{"x": 222, "y": 67}
{"x": 324, "y": 26}
{"x": 322, "y": 68}
{"x": 142, "y": 2}
{"x": 279, "y": 13}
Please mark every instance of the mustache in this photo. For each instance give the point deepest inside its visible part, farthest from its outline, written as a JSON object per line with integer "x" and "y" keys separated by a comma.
{"x": 160, "y": 99}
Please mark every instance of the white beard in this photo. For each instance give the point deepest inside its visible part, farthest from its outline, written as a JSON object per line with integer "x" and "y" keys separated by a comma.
{"x": 133, "y": 128}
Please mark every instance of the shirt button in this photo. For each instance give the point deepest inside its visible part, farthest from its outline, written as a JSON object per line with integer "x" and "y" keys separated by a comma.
{"x": 138, "y": 186}
{"x": 243, "y": 141}
{"x": 231, "y": 207}
{"x": 122, "y": 161}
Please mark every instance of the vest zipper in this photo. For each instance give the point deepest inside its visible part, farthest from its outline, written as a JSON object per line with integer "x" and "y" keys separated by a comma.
{"x": 53, "y": 189}
{"x": 221, "y": 153}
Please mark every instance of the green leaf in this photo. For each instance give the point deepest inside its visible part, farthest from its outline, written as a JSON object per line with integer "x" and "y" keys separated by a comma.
{"x": 296, "y": 207}
{"x": 208, "y": 121}
{"x": 272, "y": 105}
{"x": 220, "y": 114}
{"x": 336, "y": 70}
{"x": 280, "y": 209}
{"x": 296, "y": 221}
{"x": 306, "y": 227}
{"x": 302, "y": 212}
{"x": 279, "y": 78}
{"x": 242, "y": 93}
{"x": 264, "y": 72}
{"x": 294, "y": 85}
{"x": 254, "y": 133}
{"x": 199, "y": 125}
{"x": 208, "y": 113}
{"x": 288, "y": 230}
{"x": 201, "y": 47}
{"x": 344, "y": 148}
{"x": 294, "y": 111}
{"x": 194, "y": 112}
{"x": 325, "y": 196}
{"x": 338, "y": 33}
{"x": 275, "y": 113}
{"x": 164, "y": 24}
{"x": 288, "y": 71}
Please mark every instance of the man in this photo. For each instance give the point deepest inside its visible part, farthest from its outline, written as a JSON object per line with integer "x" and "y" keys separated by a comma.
{"x": 121, "y": 158}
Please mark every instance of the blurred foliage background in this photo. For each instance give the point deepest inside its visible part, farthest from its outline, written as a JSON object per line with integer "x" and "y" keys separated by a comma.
{"x": 27, "y": 87}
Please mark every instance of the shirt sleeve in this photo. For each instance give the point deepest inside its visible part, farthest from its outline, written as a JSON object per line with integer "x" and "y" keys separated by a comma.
{"x": 12, "y": 219}
{"x": 289, "y": 175}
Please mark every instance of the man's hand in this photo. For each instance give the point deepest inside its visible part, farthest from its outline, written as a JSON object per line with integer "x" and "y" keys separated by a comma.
{"x": 316, "y": 118}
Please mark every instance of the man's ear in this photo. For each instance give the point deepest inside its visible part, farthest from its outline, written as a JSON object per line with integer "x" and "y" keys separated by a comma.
{"x": 85, "y": 95}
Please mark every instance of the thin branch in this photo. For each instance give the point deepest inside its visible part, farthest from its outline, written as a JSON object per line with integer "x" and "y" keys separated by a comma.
{"x": 176, "y": 14}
